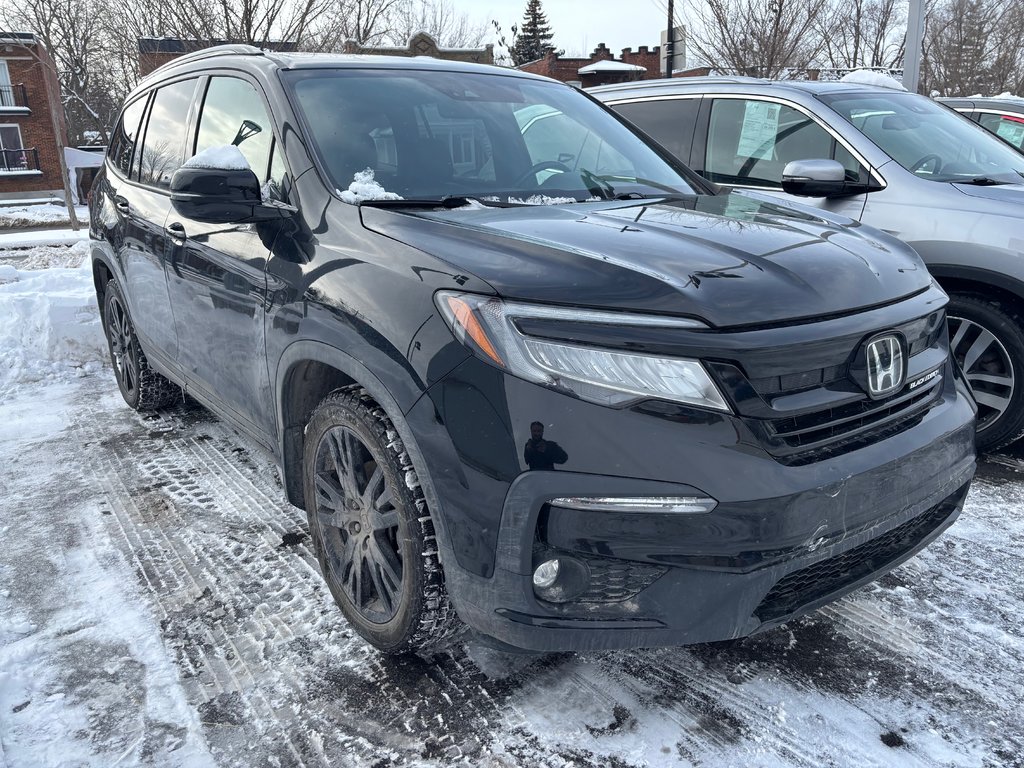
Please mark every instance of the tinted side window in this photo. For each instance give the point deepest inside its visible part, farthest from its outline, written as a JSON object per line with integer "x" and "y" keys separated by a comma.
{"x": 164, "y": 146}
{"x": 1009, "y": 128}
{"x": 233, "y": 113}
{"x": 670, "y": 122}
{"x": 126, "y": 136}
{"x": 751, "y": 141}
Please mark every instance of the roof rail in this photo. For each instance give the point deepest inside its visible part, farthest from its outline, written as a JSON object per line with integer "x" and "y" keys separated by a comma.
{"x": 230, "y": 49}
{"x": 665, "y": 82}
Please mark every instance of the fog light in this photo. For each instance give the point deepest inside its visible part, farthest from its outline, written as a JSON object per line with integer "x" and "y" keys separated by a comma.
{"x": 545, "y": 574}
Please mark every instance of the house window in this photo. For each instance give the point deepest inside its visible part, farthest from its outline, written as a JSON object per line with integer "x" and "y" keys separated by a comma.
{"x": 6, "y": 91}
{"x": 12, "y": 156}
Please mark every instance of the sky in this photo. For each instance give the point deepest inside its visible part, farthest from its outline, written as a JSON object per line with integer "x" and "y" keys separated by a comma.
{"x": 581, "y": 25}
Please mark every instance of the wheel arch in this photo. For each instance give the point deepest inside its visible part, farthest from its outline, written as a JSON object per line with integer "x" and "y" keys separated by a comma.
{"x": 102, "y": 273}
{"x": 307, "y": 372}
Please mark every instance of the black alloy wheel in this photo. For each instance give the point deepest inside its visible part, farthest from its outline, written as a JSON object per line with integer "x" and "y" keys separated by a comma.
{"x": 141, "y": 387}
{"x": 371, "y": 529}
{"x": 358, "y": 525}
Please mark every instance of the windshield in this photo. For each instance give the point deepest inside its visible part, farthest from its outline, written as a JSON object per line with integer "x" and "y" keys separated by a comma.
{"x": 928, "y": 139}
{"x": 429, "y": 135}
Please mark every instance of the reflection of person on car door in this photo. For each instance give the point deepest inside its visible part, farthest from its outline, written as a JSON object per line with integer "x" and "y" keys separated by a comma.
{"x": 540, "y": 453}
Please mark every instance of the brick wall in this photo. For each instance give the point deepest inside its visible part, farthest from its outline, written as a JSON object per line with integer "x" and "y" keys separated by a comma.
{"x": 31, "y": 65}
{"x": 567, "y": 69}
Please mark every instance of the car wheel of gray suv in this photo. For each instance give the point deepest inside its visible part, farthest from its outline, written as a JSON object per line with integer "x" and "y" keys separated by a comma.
{"x": 986, "y": 339}
{"x": 371, "y": 529}
{"x": 141, "y": 387}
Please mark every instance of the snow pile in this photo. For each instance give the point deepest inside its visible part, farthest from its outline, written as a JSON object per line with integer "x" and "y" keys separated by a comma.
{"x": 1007, "y": 95}
{"x": 225, "y": 157}
{"x": 49, "y": 325}
{"x": 42, "y": 237}
{"x": 363, "y": 187}
{"x": 14, "y": 216}
{"x": 869, "y": 77}
{"x": 48, "y": 256}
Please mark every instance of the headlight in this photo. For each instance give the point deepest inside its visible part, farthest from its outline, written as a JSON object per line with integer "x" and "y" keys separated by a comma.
{"x": 608, "y": 377}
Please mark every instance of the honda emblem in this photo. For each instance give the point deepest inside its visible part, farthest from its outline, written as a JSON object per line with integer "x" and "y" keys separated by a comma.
{"x": 886, "y": 371}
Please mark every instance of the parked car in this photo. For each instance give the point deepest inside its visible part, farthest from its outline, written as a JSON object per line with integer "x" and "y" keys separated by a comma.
{"x": 1002, "y": 116}
{"x": 894, "y": 160}
{"x": 524, "y": 370}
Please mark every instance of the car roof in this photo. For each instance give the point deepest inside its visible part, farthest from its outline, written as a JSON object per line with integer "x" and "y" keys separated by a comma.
{"x": 236, "y": 54}
{"x": 699, "y": 83}
{"x": 1010, "y": 104}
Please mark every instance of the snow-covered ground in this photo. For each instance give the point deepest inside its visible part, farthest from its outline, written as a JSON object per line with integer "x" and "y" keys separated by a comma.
{"x": 159, "y": 605}
{"x": 39, "y": 214}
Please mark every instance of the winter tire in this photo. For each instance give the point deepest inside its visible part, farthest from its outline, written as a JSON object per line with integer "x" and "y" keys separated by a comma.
{"x": 141, "y": 387}
{"x": 371, "y": 530}
{"x": 986, "y": 339}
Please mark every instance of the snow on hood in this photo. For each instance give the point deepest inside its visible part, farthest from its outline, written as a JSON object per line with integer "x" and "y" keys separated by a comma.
{"x": 870, "y": 77}
{"x": 225, "y": 157}
{"x": 364, "y": 187}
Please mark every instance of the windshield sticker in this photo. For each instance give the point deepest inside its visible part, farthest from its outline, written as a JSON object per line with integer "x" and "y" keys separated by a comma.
{"x": 1011, "y": 132}
{"x": 760, "y": 127}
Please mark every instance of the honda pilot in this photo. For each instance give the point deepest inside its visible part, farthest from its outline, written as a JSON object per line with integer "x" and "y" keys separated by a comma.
{"x": 526, "y": 373}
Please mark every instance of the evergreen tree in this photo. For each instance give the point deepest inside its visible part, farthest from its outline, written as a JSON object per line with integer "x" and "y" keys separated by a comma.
{"x": 533, "y": 38}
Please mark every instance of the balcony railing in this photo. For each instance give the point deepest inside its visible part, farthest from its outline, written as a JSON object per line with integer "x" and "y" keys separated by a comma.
{"x": 13, "y": 97}
{"x": 19, "y": 160}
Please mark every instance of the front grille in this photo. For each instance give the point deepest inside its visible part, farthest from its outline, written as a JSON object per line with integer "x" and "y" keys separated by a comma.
{"x": 798, "y": 440}
{"x": 827, "y": 576}
{"x": 920, "y": 334}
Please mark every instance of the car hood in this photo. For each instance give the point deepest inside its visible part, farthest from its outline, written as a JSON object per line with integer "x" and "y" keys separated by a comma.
{"x": 727, "y": 259}
{"x": 1005, "y": 193}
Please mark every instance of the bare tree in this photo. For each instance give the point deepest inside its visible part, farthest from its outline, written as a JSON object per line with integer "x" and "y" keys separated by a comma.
{"x": 766, "y": 38}
{"x": 973, "y": 46}
{"x": 863, "y": 33}
{"x": 438, "y": 18}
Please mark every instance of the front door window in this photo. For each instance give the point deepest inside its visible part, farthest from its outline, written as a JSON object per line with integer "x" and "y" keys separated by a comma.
{"x": 750, "y": 142}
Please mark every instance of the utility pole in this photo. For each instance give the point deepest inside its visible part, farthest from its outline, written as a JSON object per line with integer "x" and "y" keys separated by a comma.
{"x": 670, "y": 41}
{"x": 915, "y": 35}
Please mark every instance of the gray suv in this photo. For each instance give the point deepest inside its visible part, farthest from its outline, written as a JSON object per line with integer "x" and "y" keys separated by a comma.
{"x": 895, "y": 160}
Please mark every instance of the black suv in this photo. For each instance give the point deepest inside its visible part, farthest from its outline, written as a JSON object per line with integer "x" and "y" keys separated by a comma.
{"x": 525, "y": 371}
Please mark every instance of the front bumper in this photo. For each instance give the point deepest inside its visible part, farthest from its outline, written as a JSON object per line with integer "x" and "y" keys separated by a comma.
{"x": 783, "y": 540}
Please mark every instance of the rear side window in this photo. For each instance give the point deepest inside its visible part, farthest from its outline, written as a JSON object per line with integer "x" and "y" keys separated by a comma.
{"x": 1010, "y": 128}
{"x": 670, "y": 122}
{"x": 126, "y": 136}
{"x": 751, "y": 141}
{"x": 164, "y": 146}
{"x": 233, "y": 113}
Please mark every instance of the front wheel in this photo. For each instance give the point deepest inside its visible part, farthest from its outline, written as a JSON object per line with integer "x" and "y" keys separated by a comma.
{"x": 371, "y": 530}
{"x": 987, "y": 340}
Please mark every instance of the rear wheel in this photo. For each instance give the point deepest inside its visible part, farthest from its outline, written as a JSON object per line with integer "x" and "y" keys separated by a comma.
{"x": 141, "y": 387}
{"x": 987, "y": 340}
{"x": 371, "y": 529}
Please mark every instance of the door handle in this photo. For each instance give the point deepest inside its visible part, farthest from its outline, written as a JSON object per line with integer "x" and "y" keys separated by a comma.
{"x": 121, "y": 204}
{"x": 176, "y": 231}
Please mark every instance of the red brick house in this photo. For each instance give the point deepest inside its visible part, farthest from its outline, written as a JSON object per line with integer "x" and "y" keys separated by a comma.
{"x": 29, "y": 159}
{"x": 601, "y": 67}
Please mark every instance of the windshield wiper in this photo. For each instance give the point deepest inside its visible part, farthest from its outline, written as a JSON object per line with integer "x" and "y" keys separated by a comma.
{"x": 448, "y": 201}
{"x": 984, "y": 181}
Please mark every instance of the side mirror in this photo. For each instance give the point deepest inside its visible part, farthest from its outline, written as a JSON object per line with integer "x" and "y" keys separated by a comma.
{"x": 820, "y": 178}
{"x": 222, "y": 196}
